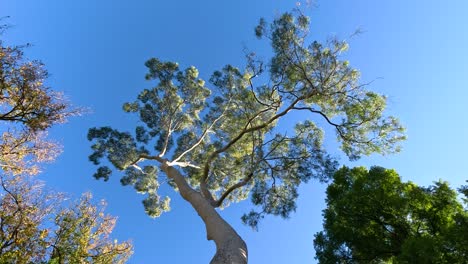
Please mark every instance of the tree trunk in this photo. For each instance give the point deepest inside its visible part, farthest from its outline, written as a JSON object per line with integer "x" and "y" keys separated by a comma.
{"x": 230, "y": 248}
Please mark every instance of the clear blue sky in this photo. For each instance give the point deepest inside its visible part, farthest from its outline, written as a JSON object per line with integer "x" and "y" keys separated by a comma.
{"x": 95, "y": 51}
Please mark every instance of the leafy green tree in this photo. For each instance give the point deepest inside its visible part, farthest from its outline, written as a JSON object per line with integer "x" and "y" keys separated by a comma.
{"x": 219, "y": 143}
{"x": 374, "y": 217}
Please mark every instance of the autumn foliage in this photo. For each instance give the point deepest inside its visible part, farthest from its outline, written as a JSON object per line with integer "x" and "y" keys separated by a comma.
{"x": 28, "y": 107}
{"x": 37, "y": 226}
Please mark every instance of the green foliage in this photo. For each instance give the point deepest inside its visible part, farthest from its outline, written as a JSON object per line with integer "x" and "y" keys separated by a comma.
{"x": 224, "y": 137}
{"x": 373, "y": 217}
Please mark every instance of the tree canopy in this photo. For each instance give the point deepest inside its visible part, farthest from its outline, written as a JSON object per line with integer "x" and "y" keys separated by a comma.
{"x": 28, "y": 107}
{"x": 223, "y": 136}
{"x": 37, "y": 227}
{"x": 374, "y": 217}
{"x": 219, "y": 139}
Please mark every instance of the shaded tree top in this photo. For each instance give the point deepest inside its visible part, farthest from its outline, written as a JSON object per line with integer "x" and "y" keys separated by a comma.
{"x": 222, "y": 134}
{"x": 374, "y": 217}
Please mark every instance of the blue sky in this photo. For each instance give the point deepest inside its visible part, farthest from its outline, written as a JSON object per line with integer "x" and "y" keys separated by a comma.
{"x": 95, "y": 51}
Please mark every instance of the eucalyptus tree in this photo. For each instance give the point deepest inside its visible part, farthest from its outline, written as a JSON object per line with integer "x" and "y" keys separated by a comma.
{"x": 220, "y": 143}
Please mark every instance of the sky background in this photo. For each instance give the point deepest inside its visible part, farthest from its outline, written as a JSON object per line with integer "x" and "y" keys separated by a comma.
{"x": 95, "y": 51}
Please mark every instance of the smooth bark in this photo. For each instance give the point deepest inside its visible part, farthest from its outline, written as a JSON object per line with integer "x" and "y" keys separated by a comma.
{"x": 230, "y": 248}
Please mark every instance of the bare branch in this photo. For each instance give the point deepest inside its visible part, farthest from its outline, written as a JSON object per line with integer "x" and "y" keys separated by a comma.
{"x": 200, "y": 140}
{"x": 254, "y": 94}
{"x": 183, "y": 164}
{"x": 337, "y": 126}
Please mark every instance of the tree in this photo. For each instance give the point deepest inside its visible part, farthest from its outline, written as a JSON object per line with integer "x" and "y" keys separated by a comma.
{"x": 220, "y": 144}
{"x": 24, "y": 207}
{"x": 82, "y": 235}
{"x": 36, "y": 227}
{"x": 374, "y": 217}
{"x": 27, "y": 109}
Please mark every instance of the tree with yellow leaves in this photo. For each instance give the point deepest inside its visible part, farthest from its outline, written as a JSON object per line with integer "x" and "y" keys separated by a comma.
{"x": 35, "y": 225}
{"x": 27, "y": 109}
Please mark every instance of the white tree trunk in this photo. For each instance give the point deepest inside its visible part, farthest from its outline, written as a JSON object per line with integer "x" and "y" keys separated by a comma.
{"x": 230, "y": 248}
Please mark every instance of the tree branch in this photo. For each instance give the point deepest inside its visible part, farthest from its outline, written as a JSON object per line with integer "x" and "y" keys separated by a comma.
{"x": 245, "y": 131}
{"x": 243, "y": 182}
{"x": 337, "y": 126}
{"x": 200, "y": 140}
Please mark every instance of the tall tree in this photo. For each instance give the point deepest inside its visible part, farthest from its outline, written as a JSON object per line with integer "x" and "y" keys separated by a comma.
{"x": 37, "y": 227}
{"x": 220, "y": 144}
{"x": 373, "y": 217}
